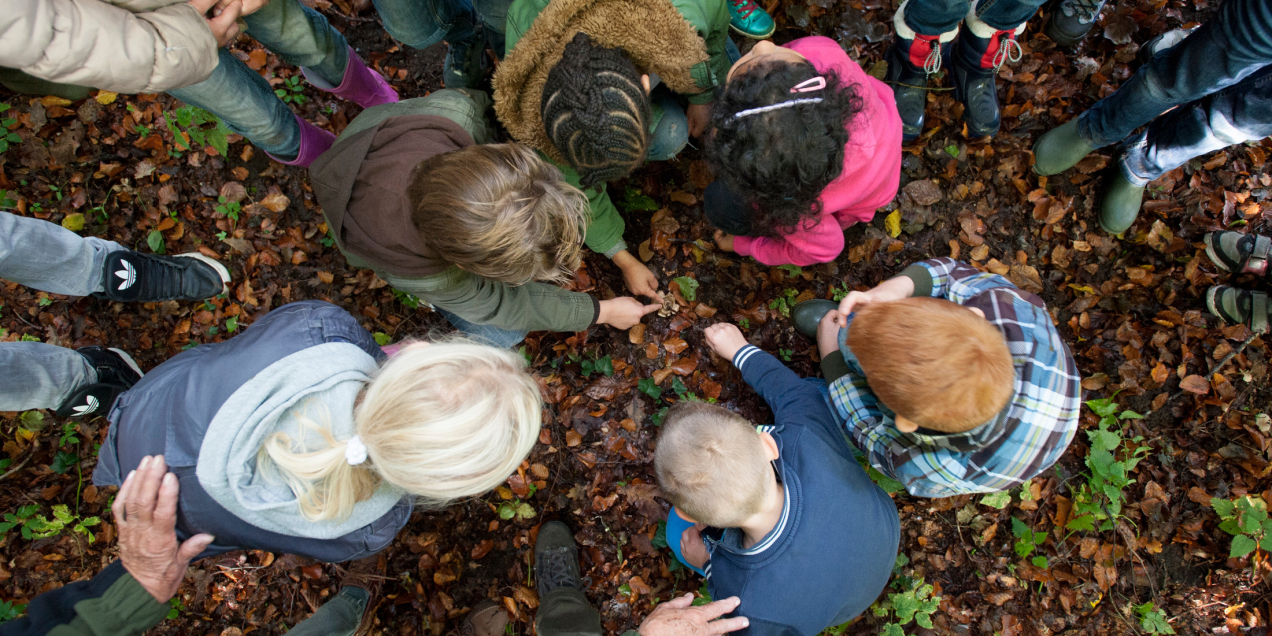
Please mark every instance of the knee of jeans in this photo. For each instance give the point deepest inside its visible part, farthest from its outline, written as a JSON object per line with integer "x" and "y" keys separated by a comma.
{"x": 416, "y": 36}
{"x": 671, "y": 136}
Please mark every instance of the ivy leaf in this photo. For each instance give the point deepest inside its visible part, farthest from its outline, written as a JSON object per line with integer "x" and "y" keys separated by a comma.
{"x": 63, "y": 462}
{"x": 650, "y": 388}
{"x": 660, "y": 536}
{"x": 1241, "y": 546}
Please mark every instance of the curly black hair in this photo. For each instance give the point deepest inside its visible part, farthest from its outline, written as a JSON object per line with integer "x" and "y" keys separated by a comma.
{"x": 596, "y": 111}
{"x": 782, "y": 159}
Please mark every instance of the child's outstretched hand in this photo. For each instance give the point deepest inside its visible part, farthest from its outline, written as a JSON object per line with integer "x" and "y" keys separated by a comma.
{"x": 640, "y": 281}
{"x": 724, "y": 241}
{"x": 725, "y": 339}
{"x": 887, "y": 291}
{"x": 699, "y": 116}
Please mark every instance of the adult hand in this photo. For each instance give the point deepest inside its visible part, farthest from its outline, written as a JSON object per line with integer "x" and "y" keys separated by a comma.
{"x": 887, "y": 291}
{"x": 224, "y": 23}
{"x": 699, "y": 116}
{"x": 724, "y": 241}
{"x": 725, "y": 339}
{"x": 624, "y": 312}
{"x": 249, "y": 6}
{"x": 692, "y": 547}
{"x": 640, "y": 281}
{"x": 145, "y": 514}
{"x": 678, "y": 617}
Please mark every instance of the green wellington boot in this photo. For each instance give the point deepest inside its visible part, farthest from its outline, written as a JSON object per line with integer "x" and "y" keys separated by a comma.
{"x": 1121, "y": 204}
{"x": 806, "y": 315}
{"x": 1060, "y": 149}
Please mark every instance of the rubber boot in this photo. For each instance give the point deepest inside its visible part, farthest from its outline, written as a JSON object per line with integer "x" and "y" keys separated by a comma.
{"x": 1120, "y": 205}
{"x": 313, "y": 142}
{"x": 1059, "y": 149}
{"x": 978, "y": 54}
{"x": 808, "y": 314}
{"x": 911, "y": 59}
{"x": 360, "y": 84}
{"x": 749, "y": 19}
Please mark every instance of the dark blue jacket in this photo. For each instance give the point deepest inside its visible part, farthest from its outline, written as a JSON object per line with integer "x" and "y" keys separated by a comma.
{"x": 169, "y": 410}
{"x": 832, "y": 552}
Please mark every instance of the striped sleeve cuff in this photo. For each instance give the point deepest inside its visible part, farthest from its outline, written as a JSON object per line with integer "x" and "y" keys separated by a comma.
{"x": 744, "y": 354}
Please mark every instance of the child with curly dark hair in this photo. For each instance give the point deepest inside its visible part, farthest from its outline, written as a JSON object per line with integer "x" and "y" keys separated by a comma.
{"x": 804, "y": 144}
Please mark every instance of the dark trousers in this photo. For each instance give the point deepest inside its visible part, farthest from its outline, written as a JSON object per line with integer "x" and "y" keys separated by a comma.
{"x": 566, "y": 611}
{"x": 1218, "y": 78}
{"x": 934, "y": 17}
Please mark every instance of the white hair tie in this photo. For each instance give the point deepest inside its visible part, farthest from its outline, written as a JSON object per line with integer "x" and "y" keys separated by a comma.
{"x": 778, "y": 106}
{"x": 355, "y": 451}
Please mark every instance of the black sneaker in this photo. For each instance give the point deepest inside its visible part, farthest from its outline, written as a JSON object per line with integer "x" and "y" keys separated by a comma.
{"x": 465, "y": 63}
{"x": 1072, "y": 19}
{"x": 116, "y": 372}
{"x": 133, "y": 276}
{"x": 556, "y": 558}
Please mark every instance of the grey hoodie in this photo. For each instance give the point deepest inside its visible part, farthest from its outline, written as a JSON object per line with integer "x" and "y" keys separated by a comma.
{"x": 207, "y": 409}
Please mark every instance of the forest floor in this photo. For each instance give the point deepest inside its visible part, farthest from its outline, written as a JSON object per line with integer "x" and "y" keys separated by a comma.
{"x": 1132, "y": 310}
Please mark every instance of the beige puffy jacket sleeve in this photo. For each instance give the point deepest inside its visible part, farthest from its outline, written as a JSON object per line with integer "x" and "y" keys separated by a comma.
{"x": 94, "y": 43}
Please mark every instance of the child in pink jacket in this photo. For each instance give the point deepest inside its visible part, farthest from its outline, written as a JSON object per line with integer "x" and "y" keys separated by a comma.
{"x": 805, "y": 144}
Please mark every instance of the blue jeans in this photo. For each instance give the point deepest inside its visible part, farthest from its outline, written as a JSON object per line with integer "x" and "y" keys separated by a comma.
{"x": 420, "y": 24}
{"x": 245, "y": 101}
{"x": 40, "y": 376}
{"x": 1223, "y": 52}
{"x": 934, "y": 17}
{"x": 486, "y": 334}
{"x": 671, "y": 134}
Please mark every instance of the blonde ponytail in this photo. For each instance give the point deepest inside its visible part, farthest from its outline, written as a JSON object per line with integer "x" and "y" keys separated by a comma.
{"x": 444, "y": 421}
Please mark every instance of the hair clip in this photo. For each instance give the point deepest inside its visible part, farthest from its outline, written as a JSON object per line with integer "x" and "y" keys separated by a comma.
{"x": 810, "y": 85}
{"x": 778, "y": 106}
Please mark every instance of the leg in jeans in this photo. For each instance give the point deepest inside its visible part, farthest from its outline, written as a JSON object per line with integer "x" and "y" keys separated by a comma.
{"x": 51, "y": 258}
{"x": 672, "y": 132}
{"x": 40, "y": 376}
{"x": 338, "y": 617}
{"x": 934, "y": 17}
{"x": 1239, "y": 113}
{"x": 494, "y": 18}
{"x": 420, "y": 24}
{"x": 248, "y": 106}
{"x": 494, "y": 336}
{"x": 565, "y": 611}
{"x": 1222, "y": 52}
{"x": 301, "y": 37}
{"x": 1006, "y": 15}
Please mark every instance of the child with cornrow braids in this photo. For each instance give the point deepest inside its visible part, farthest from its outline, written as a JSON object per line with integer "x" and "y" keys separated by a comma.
{"x": 601, "y": 86}
{"x": 804, "y": 145}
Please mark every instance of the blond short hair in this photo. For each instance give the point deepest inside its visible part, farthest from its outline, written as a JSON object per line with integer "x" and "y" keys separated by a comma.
{"x": 933, "y": 362}
{"x": 501, "y": 212}
{"x": 441, "y": 422}
{"x": 710, "y": 464}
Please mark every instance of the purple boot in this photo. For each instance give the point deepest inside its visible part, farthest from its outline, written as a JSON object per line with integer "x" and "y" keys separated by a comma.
{"x": 313, "y": 142}
{"x": 360, "y": 85}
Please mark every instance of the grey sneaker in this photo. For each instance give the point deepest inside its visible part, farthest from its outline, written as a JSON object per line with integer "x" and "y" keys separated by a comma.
{"x": 1072, "y": 19}
{"x": 556, "y": 558}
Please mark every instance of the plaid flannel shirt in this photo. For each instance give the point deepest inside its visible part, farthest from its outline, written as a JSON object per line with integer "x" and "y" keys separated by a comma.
{"x": 1025, "y": 438}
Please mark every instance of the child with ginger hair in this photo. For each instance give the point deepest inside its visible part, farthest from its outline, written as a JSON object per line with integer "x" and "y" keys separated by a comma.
{"x": 774, "y": 504}
{"x": 951, "y": 380}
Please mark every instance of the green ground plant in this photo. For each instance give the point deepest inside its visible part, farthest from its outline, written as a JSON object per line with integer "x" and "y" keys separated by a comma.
{"x": 1098, "y": 502}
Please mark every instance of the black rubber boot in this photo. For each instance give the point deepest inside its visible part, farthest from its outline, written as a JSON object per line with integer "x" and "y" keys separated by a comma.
{"x": 909, "y": 82}
{"x": 808, "y": 314}
{"x": 116, "y": 373}
{"x": 974, "y": 64}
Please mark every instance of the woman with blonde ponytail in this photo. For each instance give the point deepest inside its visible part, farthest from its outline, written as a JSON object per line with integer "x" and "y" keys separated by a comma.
{"x": 301, "y": 435}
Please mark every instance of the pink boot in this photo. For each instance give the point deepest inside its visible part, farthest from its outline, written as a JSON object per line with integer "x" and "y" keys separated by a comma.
{"x": 360, "y": 85}
{"x": 313, "y": 142}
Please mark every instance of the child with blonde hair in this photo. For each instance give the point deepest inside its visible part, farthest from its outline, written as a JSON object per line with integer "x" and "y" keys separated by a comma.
{"x": 298, "y": 436}
{"x": 781, "y": 516}
{"x": 949, "y": 379}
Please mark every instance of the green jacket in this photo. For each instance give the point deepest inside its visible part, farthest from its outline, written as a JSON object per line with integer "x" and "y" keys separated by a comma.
{"x": 530, "y": 307}
{"x": 709, "y": 17}
{"x": 112, "y": 603}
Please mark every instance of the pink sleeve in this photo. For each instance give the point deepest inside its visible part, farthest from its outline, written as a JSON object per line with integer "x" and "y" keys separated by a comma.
{"x": 818, "y": 244}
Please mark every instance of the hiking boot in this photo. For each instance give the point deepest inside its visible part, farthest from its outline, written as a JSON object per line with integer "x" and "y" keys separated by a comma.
{"x": 556, "y": 559}
{"x": 911, "y": 58}
{"x": 1239, "y": 253}
{"x": 979, "y": 52}
{"x": 133, "y": 276}
{"x": 1072, "y": 19}
{"x": 367, "y": 574}
{"x": 1121, "y": 204}
{"x": 808, "y": 314}
{"x": 1240, "y": 306}
{"x": 750, "y": 20}
{"x": 116, "y": 372}
{"x": 1059, "y": 149}
{"x": 465, "y": 61}
{"x": 486, "y": 618}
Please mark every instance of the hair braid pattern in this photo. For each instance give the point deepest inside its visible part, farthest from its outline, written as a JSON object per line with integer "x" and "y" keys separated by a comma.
{"x": 596, "y": 111}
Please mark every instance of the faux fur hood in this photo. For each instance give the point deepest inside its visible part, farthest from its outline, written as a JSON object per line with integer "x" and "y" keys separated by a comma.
{"x": 655, "y": 35}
